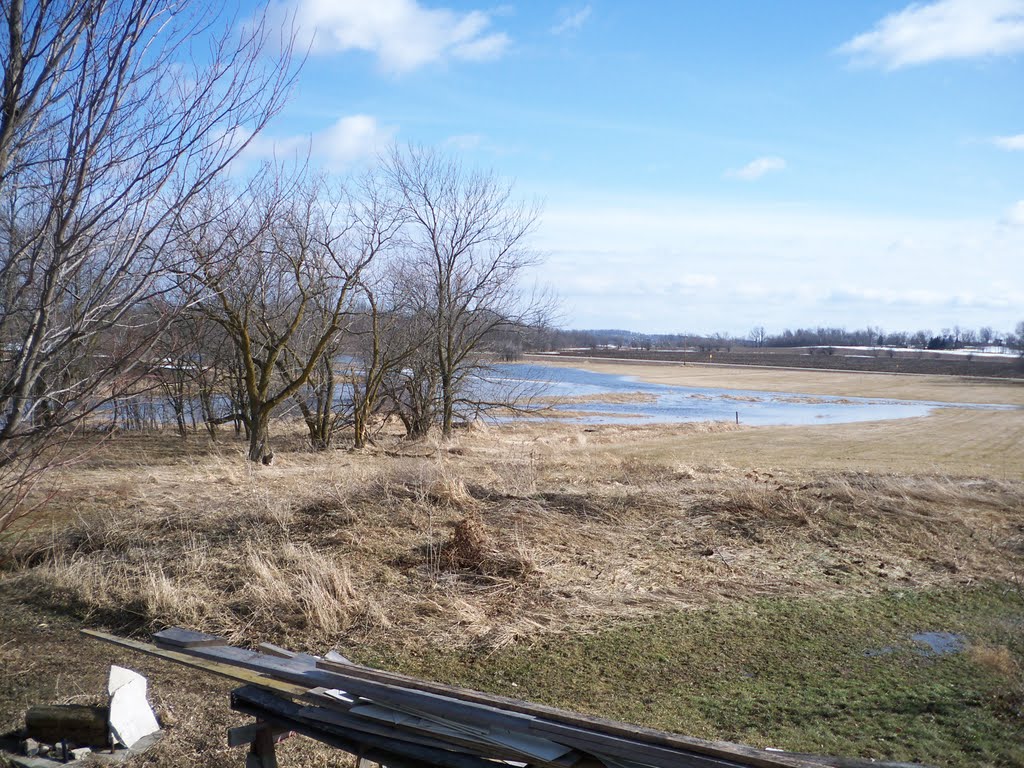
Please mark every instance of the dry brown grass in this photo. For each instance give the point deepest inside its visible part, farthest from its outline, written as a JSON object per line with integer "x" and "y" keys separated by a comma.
{"x": 996, "y": 659}
{"x": 517, "y": 531}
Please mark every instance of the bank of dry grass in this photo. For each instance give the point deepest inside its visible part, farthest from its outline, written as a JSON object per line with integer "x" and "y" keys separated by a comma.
{"x": 503, "y": 536}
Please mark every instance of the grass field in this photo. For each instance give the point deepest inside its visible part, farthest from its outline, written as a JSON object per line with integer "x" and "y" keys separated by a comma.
{"x": 752, "y": 584}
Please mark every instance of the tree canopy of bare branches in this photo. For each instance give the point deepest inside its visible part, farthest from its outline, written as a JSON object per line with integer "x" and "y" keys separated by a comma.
{"x": 114, "y": 114}
{"x": 277, "y": 267}
{"x": 468, "y": 242}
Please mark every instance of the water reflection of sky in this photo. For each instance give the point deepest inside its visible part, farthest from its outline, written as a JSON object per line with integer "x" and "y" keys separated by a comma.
{"x": 684, "y": 404}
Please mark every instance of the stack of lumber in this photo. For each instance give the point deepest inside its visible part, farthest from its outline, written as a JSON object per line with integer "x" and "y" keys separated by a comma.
{"x": 405, "y": 722}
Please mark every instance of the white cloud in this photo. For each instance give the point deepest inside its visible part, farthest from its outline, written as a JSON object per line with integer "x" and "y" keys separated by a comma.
{"x": 947, "y": 29}
{"x": 757, "y": 168}
{"x": 352, "y": 139}
{"x": 697, "y": 265}
{"x": 1012, "y": 143}
{"x": 572, "y": 21}
{"x": 1015, "y": 216}
{"x": 347, "y": 141}
{"x": 402, "y": 34}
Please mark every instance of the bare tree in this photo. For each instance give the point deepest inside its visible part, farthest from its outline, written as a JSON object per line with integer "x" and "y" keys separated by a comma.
{"x": 469, "y": 240}
{"x": 393, "y": 374}
{"x": 277, "y": 267}
{"x": 758, "y": 335}
{"x": 110, "y": 122}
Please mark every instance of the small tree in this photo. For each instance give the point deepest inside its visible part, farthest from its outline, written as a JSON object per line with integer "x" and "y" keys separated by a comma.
{"x": 469, "y": 239}
{"x": 383, "y": 352}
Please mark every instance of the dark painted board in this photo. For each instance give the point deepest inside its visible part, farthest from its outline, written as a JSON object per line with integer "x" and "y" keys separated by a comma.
{"x": 176, "y": 638}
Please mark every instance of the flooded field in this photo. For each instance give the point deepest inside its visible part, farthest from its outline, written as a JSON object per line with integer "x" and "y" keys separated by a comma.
{"x": 590, "y": 397}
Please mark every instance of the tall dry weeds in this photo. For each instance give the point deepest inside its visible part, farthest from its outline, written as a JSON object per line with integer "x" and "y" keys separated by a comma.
{"x": 524, "y": 532}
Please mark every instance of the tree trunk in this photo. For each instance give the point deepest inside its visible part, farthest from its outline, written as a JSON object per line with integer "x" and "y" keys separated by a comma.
{"x": 258, "y": 427}
{"x": 359, "y": 427}
{"x": 447, "y": 406}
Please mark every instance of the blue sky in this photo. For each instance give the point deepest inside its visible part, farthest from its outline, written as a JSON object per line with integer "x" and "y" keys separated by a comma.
{"x": 709, "y": 166}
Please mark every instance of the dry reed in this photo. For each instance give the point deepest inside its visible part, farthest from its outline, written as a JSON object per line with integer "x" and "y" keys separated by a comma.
{"x": 523, "y": 531}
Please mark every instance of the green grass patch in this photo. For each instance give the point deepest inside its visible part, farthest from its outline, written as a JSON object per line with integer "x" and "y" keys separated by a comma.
{"x": 840, "y": 677}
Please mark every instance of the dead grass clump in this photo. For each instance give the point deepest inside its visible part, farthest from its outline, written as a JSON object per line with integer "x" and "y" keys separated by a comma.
{"x": 998, "y": 660}
{"x": 756, "y": 512}
{"x": 450, "y": 491}
{"x": 296, "y": 588}
{"x": 468, "y": 546}
{"x": 639, "y": 471}
{"x": 471, "y": 547}
{"x": 585, "y": 506}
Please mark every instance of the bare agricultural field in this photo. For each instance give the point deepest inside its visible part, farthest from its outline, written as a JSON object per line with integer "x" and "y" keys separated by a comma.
{"x": 938, "y": 388}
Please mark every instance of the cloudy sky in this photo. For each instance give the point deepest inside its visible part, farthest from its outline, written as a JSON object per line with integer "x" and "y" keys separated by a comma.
{"x": 709, "y": 166}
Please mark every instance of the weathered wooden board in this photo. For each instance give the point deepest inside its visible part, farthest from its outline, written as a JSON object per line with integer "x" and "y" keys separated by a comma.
{"x": 436, "y": 705}
{"x": 224, "y": 670}
{"x": 751, "y": 756}
{"x": 270, "y": 708}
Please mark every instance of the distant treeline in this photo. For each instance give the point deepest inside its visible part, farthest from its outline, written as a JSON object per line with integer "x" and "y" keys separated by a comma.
{"x": 946, "y": 339}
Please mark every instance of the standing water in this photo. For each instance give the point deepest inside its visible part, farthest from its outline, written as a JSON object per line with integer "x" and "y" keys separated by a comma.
{"x": 665, "y": 403}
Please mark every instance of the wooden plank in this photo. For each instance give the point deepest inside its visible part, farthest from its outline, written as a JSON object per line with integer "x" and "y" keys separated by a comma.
{"x": 283, "y": 653}
{"x": 224, "y": 670}
{"x": 261, "y": 752}
{"x": 427, "y": 737}
{"x": 727, "y": 750}
{"x": 276, "y": 650}
{"x": 246, "y": 734}
{"x": 475, "y": 712}
{"x": 229, "y": 671}
{"x": 332, "y": 717}
{"x": 266, "y": 706}
{"x": 295, "y": 676}
{"x": 300, "y": 673}
{"x": 649, "y": 754}
{"x": 176, "y": 637}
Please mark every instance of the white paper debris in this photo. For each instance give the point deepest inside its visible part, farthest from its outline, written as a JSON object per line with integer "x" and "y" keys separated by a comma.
{"x": 131, "y": 717}
{"x": 337, "y": 693}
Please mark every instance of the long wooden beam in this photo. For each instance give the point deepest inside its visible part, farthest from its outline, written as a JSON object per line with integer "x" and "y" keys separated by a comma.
{"x": 487, "y": 711}
{"x": 238, "y": 674}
